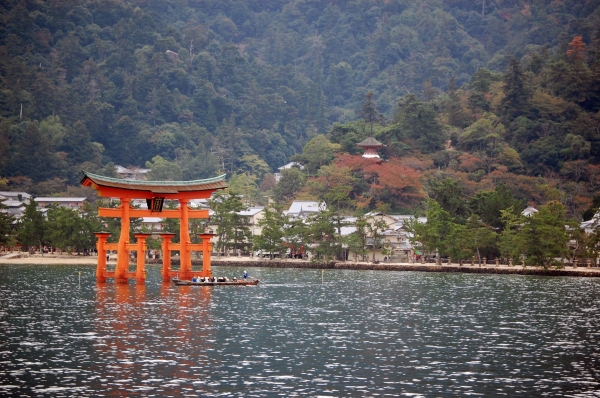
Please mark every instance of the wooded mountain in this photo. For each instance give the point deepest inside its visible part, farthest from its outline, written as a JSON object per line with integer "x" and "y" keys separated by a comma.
{"x": 189, "y": 88}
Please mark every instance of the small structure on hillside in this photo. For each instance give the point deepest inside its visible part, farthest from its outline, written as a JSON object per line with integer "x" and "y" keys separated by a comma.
{"x": 370, "y": 145}
{"x": 529, "y": 211}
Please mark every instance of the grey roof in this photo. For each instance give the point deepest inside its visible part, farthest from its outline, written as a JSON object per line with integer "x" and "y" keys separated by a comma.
{"x": 299, "y": 206}
{"x": 370, "y": 142}
{"x": 251, "y": 211}
{"x": 14, "y": 195}
{"x": 59, "y": 199}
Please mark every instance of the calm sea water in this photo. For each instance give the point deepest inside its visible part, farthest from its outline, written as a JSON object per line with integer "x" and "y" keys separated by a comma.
{"x": 298, "y": 333}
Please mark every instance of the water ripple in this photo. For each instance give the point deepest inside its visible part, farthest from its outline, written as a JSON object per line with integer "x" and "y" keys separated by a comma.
{"x": 359, "y": 333}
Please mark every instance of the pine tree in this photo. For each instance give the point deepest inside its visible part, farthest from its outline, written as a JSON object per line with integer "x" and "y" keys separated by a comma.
{"x": 516, "y": 92}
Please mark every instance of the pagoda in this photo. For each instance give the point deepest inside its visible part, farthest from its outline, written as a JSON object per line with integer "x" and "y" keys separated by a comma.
{"x": 370, "y": 145}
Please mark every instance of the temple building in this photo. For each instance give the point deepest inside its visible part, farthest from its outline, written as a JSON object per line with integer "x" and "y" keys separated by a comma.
{"x": 370, "y": 145}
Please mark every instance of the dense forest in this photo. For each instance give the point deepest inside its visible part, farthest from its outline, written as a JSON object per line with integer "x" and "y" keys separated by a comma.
{"x": 466, "y": 95}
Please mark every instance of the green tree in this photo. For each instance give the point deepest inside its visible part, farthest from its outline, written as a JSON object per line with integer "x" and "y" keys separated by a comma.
{"x": 65, "y": 229}
{"x": 437, "y": 233}
{"x": 6, "y": 221}
{"x": 449, "y": 195}
{"x": 318, "y": 152}
{"x": 31, "y": 230}
{"x": 233, "y": 230}
{"x": 291, "y": 182}
{"x": 477, "y": 235}
{"x": 457, "y": 116}
{"x": 541, "y": 238}
{"x": 357, "y": 240}
{"x": 271, "y": 239}
{"x": 163, "y": 170}
{"x": 417, "y": 122}
{"x": 516, "y": 92}
{"x": 376, "y": 229}
{"x": 322, "y": 234}
{"x": 295, "y": 234}
{"x": 369, "y": 112}
{"x": 489, "y": 205}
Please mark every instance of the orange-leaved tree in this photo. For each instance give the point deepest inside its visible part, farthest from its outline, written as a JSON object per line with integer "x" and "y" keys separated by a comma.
{"x": 387, "y": 181}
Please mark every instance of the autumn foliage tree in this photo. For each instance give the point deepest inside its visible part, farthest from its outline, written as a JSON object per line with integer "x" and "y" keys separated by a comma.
{"x": 390, "y": 181}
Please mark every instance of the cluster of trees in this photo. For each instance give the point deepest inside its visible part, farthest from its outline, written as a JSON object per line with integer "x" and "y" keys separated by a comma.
{"x": 60, "y": 227}
{"x": 68, "y": 229}
{"x": 491, "y": 225}
{"x": 191, "y": 88}
{"x": 480, "y": 93}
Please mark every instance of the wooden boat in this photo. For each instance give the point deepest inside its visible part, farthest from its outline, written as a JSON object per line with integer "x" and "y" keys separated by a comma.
{"x": 240, "y": 282}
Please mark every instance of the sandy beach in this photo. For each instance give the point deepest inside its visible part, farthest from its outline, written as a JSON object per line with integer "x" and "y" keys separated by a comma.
{"x": 49, "y": 259}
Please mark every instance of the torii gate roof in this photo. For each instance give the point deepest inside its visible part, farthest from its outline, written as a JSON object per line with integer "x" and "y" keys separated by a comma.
{"x": 109, "y": 186}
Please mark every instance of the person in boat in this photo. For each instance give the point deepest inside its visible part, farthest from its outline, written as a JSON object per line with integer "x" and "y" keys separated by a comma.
{"x": 194, "y": 279}
{"x": 245, "y": 274}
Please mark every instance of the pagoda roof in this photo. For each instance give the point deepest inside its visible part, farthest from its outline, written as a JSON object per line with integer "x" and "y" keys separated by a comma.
{"x": 156, "y": 187}
{"x": 370, "y": 142}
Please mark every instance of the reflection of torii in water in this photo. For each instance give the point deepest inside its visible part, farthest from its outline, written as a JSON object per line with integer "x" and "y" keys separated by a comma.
{"x": 135, "y": 339}
{"x": 155, "y": 193}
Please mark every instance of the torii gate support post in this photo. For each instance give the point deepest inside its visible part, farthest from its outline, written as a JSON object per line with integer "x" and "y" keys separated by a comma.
{"x": 140, "y": 271}
{"x": 101, "y": 267}
{"x": 166, "y": 249}
{"x": 206, "y": 249}
{"x": 123, "y": 252}
{"x": 185, "y": 259}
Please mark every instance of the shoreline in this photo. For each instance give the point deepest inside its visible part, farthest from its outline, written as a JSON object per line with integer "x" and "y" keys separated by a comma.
{"x": 581, "y": 271}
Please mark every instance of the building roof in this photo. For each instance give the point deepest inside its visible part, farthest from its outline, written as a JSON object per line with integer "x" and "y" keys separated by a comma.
{"x": 156, "y": 187}
{"x": 13, "y": 203}
{"x": 529, "y": 211}
{"x": 290, "y": 165}
{"x": 252, "y": 211}
{"x": 14, "y": 195}
{"x": 299, "y": 206}
{"x": 59, "y": 199}
{"x": 151, "y": 219}
{"x": 370, "y": 142}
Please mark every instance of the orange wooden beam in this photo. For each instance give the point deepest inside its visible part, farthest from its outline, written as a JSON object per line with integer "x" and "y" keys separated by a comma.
{"x": 173, "y": 213}
{"x": 110, "y": 192}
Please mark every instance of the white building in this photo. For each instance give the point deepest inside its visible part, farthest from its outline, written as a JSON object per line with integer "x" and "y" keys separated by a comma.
{"x": 302, "y": 208}
{"x": 285, "y": 167}
{"x": 132, "y": 172}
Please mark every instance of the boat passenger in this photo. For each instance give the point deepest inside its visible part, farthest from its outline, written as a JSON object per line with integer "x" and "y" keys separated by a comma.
{"x": 245, "y": 274}
{"x": 194, "y": 279}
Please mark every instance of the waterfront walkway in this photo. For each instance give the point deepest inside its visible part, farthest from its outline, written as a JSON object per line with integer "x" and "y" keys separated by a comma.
{"x": 26, "y": 258}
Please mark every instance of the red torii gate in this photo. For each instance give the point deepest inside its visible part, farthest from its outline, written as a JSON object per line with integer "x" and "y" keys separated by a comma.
{"x": 155, "y": 192}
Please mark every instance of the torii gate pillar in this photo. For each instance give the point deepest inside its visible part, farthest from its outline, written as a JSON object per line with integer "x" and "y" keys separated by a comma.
{"x": 206, "y": 249}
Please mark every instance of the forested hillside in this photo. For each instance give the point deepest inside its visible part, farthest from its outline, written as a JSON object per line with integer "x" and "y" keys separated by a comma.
{"x": 467, "y": 94}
